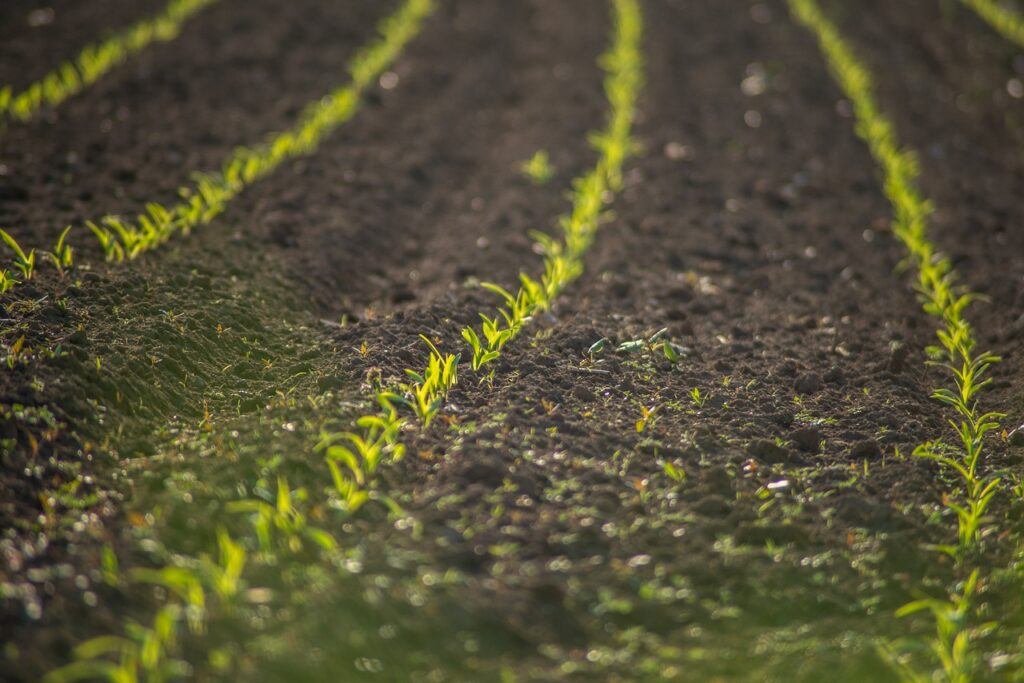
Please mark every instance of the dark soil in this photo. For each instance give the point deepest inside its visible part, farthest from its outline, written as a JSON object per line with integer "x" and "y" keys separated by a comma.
{"x": 542, "y": 536}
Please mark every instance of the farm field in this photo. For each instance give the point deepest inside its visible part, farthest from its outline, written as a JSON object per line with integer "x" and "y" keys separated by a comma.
{"x": 436, "y": 340}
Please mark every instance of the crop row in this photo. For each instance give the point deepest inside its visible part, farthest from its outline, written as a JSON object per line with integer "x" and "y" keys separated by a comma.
{"x": 943, "y": 298}
{"x": 353, "y": 457}
{"x": 210, "y": 193}
{"x": 1003, "y": 20}
{"x": 94, "y": 61}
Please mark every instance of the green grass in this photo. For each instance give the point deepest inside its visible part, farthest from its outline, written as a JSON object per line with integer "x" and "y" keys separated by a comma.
{"x": 946, "y": 300}
{"x": 96, "y": 60}
{"x": 1005, "y": 21}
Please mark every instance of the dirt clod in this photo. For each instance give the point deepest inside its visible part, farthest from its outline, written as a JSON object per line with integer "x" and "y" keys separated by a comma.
{"x": 807, "y": 439}
{"x": 808, "y": 383}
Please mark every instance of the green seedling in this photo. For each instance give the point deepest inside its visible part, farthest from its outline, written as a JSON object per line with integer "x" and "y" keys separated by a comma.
{"x": 648, "y": 416}
{"x": 144, "y": 654}
{"x": 62, "y": 256}
{"x": 698, "y": 399}
{"x": 182, "y": 582}
{"x": 25, "y": 262}
{"x": 7, "y": 281}
{"x": 426, "y": 393}
{"x": 224, "y": 575}
{"x": 953, "y": 637}
{"x": 676, "y": 474}
{"x": 658, "y": 341}
{"x": 539, "y": 168}
{"x": 284, "y": 518}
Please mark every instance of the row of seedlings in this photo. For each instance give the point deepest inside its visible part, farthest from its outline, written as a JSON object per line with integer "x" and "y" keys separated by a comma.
{"x": 95, "y": 61}
{"x": 210, "y": 193}
{"x": 957, "y": 626}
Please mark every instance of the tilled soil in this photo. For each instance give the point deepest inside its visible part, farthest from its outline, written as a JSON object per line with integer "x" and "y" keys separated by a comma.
{"x": 542, "y": 536}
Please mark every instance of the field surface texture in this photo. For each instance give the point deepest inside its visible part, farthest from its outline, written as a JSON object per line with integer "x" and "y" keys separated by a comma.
{"x": 512, "y": 340}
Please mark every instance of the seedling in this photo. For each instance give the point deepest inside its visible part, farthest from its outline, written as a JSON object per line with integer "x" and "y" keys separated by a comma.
{"x": 538, "y": 168}
{"x": 284, "y": 518}
{"x": 25, "y": 262}
{"x": 677, "y": 474}
{"x": 698, "y": 399}
{"x": 427, "y": 391}
{"x": 62, "y": 256}
{"x": 6, "y": 281}
{"x": 648, "y": 417}
{"x": 953, "y": 634}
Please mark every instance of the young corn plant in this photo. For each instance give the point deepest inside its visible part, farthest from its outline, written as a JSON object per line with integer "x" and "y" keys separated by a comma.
{"x": 284, "y": 520}
{"x": 62, "y": 256}
{"x": 24, "y": 262}
{"x": 428, "y": 390}
{"x": 953, "y": 636}
{"x": 145, "y": 653}
{"x": 95, "y": 61}
{"x": 945, "y": 300}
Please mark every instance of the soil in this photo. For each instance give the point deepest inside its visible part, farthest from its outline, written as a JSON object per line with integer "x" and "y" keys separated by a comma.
{"x": 542, "y": 537}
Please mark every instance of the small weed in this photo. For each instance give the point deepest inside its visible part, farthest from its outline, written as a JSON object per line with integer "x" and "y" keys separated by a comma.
{"x": 538, "y": 168}
{"x": 698, "y": 399}
{"x": 648, "y": 417}
{"x": 677, "y": 474}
